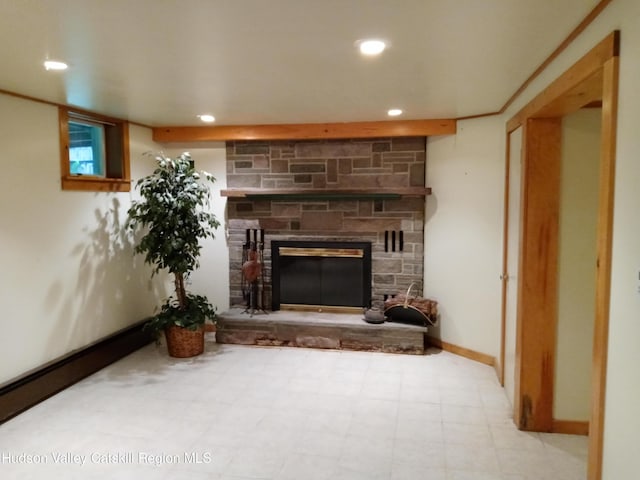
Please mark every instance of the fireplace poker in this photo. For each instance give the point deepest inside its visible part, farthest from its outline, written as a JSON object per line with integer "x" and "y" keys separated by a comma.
{"x": 261, "y": 260}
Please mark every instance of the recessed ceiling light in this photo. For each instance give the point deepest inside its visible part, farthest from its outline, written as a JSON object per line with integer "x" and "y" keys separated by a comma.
{"x": 207, "y": 118}
{"x": 55, "y": 65}
{"x": 371, "y": 47}
{"x": 394, "y": 112}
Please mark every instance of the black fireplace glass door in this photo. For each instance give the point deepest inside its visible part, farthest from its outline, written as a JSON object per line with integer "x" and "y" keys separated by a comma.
{"x": 321, "y": 281}
{"x": 322, "y": 277}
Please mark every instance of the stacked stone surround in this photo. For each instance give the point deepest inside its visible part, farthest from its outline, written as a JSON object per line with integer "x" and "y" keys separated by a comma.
{"x": 331, "y": 165}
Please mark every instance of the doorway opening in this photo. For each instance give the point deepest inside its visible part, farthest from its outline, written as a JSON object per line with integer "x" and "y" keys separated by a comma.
{"x": 592, "y": 81}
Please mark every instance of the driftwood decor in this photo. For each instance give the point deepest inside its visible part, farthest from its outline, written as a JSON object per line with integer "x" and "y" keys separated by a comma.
{"x": 406, "y": 308}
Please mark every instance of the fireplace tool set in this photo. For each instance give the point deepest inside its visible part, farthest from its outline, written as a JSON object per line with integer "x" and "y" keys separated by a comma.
{"x": 253, "y": 272}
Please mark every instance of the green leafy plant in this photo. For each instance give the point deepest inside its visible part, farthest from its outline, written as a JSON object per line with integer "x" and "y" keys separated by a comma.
{"x": 191, "y": 316}
{"x": 173, "y": 218}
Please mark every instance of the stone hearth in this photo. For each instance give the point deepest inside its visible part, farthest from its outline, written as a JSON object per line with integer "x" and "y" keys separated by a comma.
{"x": 318, "y": 330}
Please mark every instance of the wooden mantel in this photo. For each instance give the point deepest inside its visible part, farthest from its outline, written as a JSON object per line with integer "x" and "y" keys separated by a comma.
{"x": 313, "y": 193}
{"x": 306, "y": 131}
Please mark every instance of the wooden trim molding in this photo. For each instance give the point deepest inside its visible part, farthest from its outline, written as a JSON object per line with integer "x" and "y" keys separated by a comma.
{"x": 603, "y": 266}
{"x": 306, "y": 131}
{"x": 538, "y": 287}
{"x": 591, "y": 16}
{"x": 95, "y": 184}
{"x": 570, "y": 427}
{"x": 596, "y": 72}
{"x": 30, "y": 390}
{"x": 570, "y": 84}
{"x": 505, "y": 271}
{"x": 63, "y": 105}
{"x": 462, "y": 351}
{"x": 478, "y": 115}
{"x": 117, "y": 162}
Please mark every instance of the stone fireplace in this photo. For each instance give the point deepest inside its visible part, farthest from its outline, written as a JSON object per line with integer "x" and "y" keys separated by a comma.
{"x": 356, "y": 191}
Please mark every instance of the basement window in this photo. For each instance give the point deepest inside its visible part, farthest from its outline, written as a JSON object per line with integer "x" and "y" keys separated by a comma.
{"x": 94, "y": 152}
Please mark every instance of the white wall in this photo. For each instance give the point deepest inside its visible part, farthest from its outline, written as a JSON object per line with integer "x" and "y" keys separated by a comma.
{"x": 212, "y": 278}
{"x": 513, "y": 273}
{"x": 463, "y": 232}
{"x": 69, "y": 276}
{"x": 622, "y": 422}
{"x": 577, "y": 263}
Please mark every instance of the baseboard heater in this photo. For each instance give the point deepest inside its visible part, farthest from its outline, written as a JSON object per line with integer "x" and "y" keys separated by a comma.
{"x": 35, "y": 387}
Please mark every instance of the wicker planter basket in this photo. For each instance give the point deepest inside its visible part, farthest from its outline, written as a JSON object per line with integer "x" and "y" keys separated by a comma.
{"x": 183, "y": 343}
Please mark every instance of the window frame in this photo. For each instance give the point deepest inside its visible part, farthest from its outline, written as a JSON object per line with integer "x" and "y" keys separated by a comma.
{"x": 117, "y": 176}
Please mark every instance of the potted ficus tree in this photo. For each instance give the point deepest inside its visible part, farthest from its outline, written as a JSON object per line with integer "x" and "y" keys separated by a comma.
{"x": 173, "y": 220}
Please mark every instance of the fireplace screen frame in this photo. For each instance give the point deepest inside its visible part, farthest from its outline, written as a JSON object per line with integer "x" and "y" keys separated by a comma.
{"x": 318, "y": 249}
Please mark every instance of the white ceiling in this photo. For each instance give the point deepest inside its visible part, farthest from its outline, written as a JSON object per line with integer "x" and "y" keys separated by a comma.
{"x": 162, "y": 62}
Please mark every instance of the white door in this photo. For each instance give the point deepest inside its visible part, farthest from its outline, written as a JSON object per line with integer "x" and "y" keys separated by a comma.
{"x": 513, "y": 250}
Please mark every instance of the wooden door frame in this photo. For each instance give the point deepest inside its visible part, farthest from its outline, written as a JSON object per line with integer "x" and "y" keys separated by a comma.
{"x": 594, "y": 78}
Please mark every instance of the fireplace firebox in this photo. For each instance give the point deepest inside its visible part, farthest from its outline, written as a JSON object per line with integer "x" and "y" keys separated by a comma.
{"x": 320, "y": 275}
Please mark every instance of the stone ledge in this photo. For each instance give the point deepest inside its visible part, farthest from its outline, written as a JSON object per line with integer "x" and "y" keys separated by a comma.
{"x": 319, "y": 330}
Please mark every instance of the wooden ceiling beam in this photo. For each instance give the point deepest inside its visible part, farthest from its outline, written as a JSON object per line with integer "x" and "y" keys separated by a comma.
{"x": 306, "y": 131}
